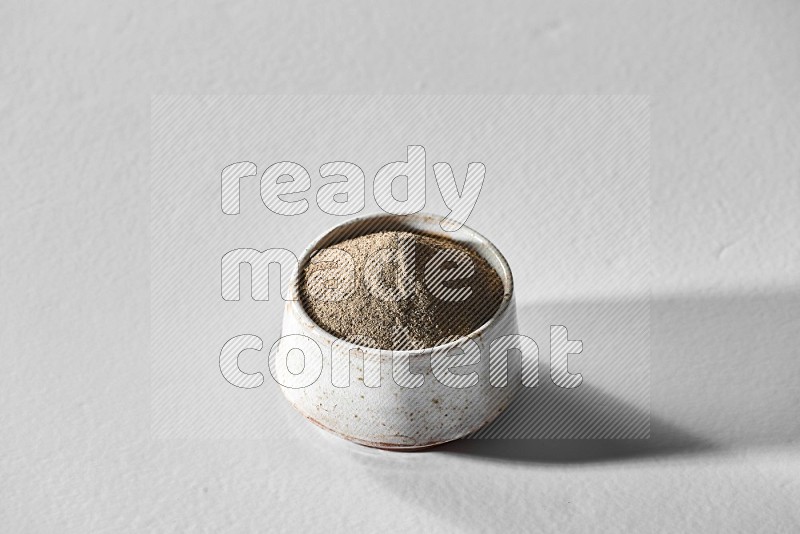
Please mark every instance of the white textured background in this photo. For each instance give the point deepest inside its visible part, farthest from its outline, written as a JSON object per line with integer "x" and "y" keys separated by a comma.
{"x": 74, "y": 118}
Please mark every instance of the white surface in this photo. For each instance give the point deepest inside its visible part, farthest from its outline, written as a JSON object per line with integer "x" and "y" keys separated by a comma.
{"x": 76, "y": 84}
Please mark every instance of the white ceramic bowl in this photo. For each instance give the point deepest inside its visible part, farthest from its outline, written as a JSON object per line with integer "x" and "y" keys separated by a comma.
{"x": 392, "y": 416}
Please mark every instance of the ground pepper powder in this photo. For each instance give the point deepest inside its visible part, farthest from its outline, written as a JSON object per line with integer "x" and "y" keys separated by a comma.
{"x": 385, "y": 296}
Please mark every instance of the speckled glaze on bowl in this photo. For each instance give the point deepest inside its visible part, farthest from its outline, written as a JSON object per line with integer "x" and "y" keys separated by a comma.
{"x": 391, "y": 416}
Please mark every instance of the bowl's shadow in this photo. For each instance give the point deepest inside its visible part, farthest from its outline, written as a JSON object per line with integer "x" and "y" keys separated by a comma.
{"x": 722, "y": 375}
{"x": 665, "y": 439}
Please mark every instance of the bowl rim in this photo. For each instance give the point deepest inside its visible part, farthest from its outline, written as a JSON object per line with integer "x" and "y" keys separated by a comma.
{"x": 479, "y": 243}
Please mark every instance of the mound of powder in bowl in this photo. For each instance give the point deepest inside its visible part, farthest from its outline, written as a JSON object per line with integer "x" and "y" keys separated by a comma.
{"x": 399, "y": 290}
